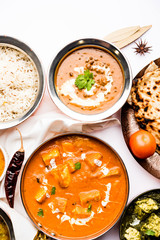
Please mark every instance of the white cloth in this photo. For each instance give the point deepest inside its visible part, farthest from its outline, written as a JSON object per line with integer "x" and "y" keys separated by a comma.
{"x": 34, "y": 131}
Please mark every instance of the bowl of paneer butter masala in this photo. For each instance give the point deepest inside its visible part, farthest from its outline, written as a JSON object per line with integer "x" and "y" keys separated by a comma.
{"x": 74, "y": 186}
{"x": 89, "y": 79}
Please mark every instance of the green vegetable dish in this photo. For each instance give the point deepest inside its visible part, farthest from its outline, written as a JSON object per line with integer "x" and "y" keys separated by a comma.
{"x": 141, "y": 219}
{"x": 4, "y": 234}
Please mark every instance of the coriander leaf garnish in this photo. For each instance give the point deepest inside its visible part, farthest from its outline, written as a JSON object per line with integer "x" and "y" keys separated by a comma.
{"x": 53, "y": 190}
{"x": 150, "y": 232}
{"x": 40, "y": 212}
{"x": 77, "y": 165}
{"x": 89, "y": 208}
{"x": 85, "y": 80}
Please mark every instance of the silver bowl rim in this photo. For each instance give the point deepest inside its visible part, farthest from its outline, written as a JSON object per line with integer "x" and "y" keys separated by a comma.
{"x": 17, "y": 44}
{"x": 118, "y": 56}
{"x": 101, "y": 232}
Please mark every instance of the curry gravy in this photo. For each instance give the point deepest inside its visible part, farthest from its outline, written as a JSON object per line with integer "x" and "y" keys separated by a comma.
{"x": 107, "y": 74}
{"x": 2, "y": 162}
{"x": 79, "y": 193}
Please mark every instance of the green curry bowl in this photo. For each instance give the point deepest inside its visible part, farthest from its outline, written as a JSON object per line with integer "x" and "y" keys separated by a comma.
{"x": 141, "y": 218}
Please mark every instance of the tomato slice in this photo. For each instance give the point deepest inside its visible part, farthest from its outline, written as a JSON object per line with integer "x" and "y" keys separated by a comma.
{"x": 142, "y": 144}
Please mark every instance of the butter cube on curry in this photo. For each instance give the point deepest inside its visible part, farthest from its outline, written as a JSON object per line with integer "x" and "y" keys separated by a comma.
{"x": 51, "y": 154}
{"x": 93, "y": 195}
{"x": 81, "y": 211}
{"x": 91, "y": 159}
{"x": 41, "y": 194}
{"x": 64, "y": 175}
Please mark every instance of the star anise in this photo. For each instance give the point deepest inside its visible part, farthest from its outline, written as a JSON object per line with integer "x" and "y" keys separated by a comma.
{"x": 142, "y": 47}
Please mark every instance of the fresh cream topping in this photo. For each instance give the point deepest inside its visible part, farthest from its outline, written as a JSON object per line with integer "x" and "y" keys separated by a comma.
{"x": 107, "y": 193}
{"x": 53, "y": 163}
{"x": 45, "y": 188}
{"x": 68, "y": 89}
{"x": 47, "y": 195}
{"x": 98, "y": 162}
{"x": 80, "y": 70}
{"x": 99, "y": 210}
{"x": 45, "y": 181}
{"x": 78, "y": 221}
{"x": 135, "y": 222}
{"x": 104, "y": 170}
{"x": 91, "y": 91}
{"x": 83, "y": 156}
{"x": 54, "y": 210}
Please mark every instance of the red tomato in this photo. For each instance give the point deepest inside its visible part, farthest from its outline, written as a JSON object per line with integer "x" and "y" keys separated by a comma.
{"x": 142, "y": 144}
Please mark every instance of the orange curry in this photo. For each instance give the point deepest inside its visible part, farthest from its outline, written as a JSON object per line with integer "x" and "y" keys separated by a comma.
{"x": 74, "y": 186}
{"x": 2, "y": 162}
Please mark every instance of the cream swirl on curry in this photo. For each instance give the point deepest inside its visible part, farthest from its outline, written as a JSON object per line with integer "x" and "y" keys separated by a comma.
{"x": 68, "y": 89}
{"x": 102, "y": 73}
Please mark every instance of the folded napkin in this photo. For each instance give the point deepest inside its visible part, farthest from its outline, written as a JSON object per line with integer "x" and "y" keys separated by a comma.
{"x": 35, "y": 130}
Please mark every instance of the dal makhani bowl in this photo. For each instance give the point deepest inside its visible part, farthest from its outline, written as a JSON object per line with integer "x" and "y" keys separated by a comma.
{"x": 89, "y": 79}
{"x": 74, "y": 186}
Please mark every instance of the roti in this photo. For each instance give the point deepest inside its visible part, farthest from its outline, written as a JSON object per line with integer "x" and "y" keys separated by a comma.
{"x": 145, "y": 97}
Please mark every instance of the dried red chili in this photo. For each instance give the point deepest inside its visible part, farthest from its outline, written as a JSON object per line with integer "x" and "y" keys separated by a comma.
{"x": 13, "y": 172}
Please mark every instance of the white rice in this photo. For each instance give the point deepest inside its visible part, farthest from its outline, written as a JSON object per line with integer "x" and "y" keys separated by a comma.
{"x": 19, "y": 82}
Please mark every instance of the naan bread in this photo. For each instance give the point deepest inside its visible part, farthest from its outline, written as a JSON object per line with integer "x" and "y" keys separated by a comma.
{"x": 145, "y": 95}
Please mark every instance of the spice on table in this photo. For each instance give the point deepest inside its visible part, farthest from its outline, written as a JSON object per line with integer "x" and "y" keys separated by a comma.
{"x": 142, "y": 47}
{"x": 13, "y": 172}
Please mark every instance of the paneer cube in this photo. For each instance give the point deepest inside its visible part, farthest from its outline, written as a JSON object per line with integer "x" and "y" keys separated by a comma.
{"x": 105, "y": 172}
{"x": 67, "y": 147}
{"x": 61, "y": 203}
{"x": 41, "y": 194}
{"x": 51, "y": 154}
{"x": 81, "y": 211}
{"x": 93, "y": 195}
{"x": 92, "y": 159}
{"x": 115, "y": 171}
{"x": 71, "y": 165}
{"x": 58, "y": 205}
{"x": 84, "y": 143}
{"x": 64, "y": 175}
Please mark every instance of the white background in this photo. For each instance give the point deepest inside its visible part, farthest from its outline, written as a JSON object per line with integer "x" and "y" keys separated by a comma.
{"x": 47, "y": 26}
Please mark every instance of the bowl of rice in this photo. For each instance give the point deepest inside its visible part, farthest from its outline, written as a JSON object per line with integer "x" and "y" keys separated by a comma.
{"x": 21, "y": 82}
